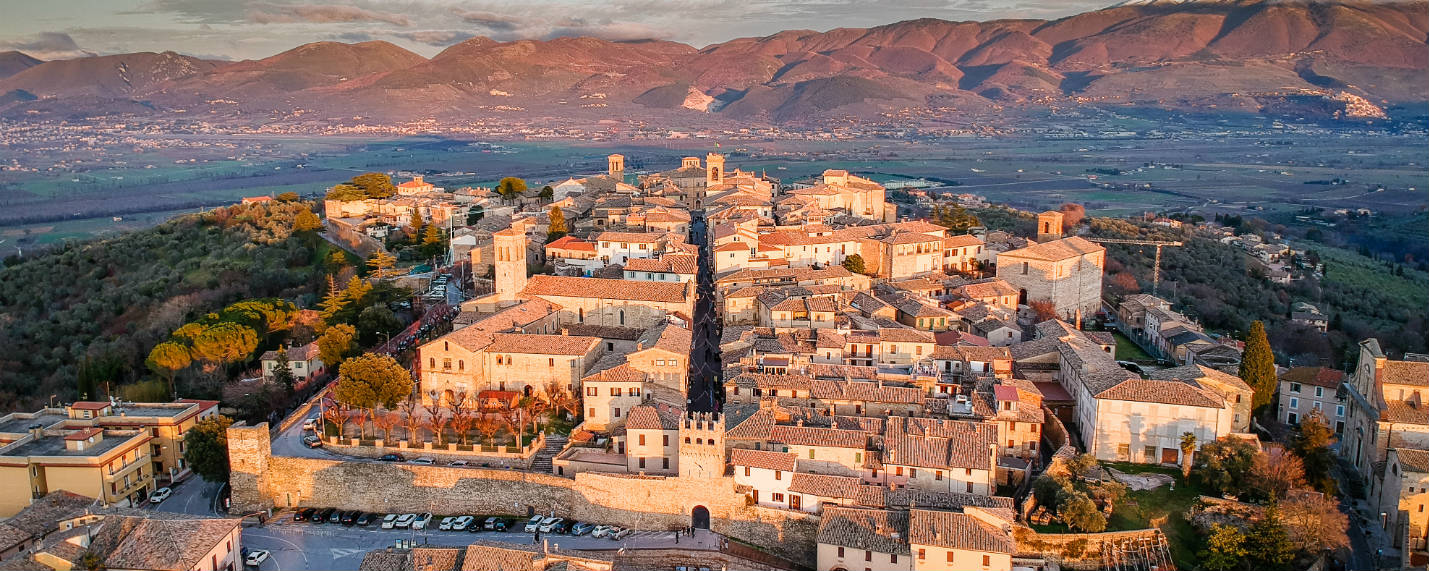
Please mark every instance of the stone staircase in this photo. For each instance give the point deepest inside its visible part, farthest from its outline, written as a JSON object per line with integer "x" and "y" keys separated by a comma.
{"x": 554, "y": 444}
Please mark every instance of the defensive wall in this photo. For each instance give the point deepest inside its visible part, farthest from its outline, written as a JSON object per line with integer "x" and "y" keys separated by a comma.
{"x": 260, "y": 480}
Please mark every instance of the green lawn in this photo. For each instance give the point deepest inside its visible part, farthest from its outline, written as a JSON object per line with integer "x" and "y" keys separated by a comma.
{"x": 1126, "y": 350}
{"x": 1140, "y": 507}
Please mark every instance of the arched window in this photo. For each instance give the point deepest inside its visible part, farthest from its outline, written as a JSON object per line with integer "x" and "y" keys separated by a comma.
{"x": 499, "y": 360}
{"x": 622, "y": 317}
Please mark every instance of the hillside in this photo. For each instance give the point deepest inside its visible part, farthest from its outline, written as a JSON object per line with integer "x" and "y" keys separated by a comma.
{"x": 13, "y": 62}
{"x": 1236, "y": 54}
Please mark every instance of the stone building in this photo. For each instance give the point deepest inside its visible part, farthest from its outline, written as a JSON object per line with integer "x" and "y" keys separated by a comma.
{"x": 1386, "y": 408}
{"x": 1066, "y": 272}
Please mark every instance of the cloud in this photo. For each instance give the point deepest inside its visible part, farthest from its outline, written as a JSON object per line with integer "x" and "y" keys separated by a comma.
{"x": 47, "y": 46}
{"x": 322, "y": 14}
{"x": 439, "y": 38}
{"x": 490, "y": 20}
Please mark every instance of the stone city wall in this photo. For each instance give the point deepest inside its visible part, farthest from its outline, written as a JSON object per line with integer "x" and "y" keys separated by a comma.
{"x": 261, "y": 480}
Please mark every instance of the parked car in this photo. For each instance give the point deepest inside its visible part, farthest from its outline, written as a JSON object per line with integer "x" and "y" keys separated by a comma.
{"x": 335, "y": 516}
{"x": 312, "y": 441}
{"x": 460, "y": 463}
{"x": 304, "y": 514}
{"x": 446, "y": 523}
{"x": 160, "y": 495}
{"x": 582, "y": 528}
{"x": 424, "y": 461}
{"x": 620, "y": 533}
{"x": 256, "y": 557}
{"x": 311, "y": 423}
{"x": 422, "y": 521}
{"x": 350, "y": 518}
{"x": 389, "y": 521}
{"x": 564, "y": 527}
{"x": 323, "y": 515}
{"x": 404, "y": 521}
{"x": 366, "y": 519}
{"x": 600, "y": 531}
{"x": 549, "y": 524}
{"x": 533, "y": 524}
{"x": 462, "y": 522}
{"x": 393, "y": 457}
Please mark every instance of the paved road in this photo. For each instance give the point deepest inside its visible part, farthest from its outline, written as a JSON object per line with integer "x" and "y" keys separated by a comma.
{"x": 192, "y": 496}
{"x": 299, "y": 545}
{"x": 704, "y": 356}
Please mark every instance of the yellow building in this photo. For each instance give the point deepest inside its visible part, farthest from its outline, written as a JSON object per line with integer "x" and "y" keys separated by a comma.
{"x": 112, "y": 466}
{"x": 166, "y": 423}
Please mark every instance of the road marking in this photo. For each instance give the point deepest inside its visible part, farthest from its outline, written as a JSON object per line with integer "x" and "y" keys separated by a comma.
{"x": 345, "y": 552}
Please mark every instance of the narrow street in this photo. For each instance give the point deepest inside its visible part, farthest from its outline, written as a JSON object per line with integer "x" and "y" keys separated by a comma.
{"x": 704, "y": 356}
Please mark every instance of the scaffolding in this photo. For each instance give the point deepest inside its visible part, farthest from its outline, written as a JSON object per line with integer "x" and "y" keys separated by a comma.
{"x": 1142, "y": 553}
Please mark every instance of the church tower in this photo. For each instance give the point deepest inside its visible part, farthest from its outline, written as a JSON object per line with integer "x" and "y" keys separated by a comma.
{"x": 714, "y": 169}
{"x": 1049, "y": 226}
{"x": 509, "y": 250}
{"x": 616, "y": 167}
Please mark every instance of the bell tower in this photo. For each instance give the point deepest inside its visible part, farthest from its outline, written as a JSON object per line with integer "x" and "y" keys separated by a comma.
{"x": 509, "y": 250}
{"x": 616, "y": 167}
{"x": 714, "y": 169}
{"x": 1049, "y": 226}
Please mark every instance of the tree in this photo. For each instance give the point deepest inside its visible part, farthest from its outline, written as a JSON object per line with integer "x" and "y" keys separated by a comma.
{"x": 371, "y": 380}
{"x": 1081, "y": 465}
{"x": 168, "y": 358}
{"x": 557, "y": 228}
{"x": 224, "y": 343}
{"x": 1188, "y": 451}
{"x": 91, "y": 561}
{"x": 1072, "y": 215}
{"x": 375, "y": 185}
{"x": 377, "y": 320}
{"x": 336, "y": 415}
{"x": 357, "y": 290}
{"x": 1257, "y": 366}
{"x": 306, "y": 221}
{"x": 510, "y": 188}
{"x": 1315, "y": 522}
{"x": 1046, "y": 488}
{"x": 462, "y": 422}
{"x": 1268, "y": 543}
{"x": 206, "y": 448}
{"x": 432, "y": 241}
{"x": 854, "y": 263}
{"x": 1044, "y": 309}
{"x": 561, "y": 399}
{"x": 409, "y": 410}
{"x": 1225, "y": 465}
{"x": 1312, "y": 442}
{"x": 386, "y": 421}
{"x": 282, "y": 371}
{"x": 1124, "y": 282}
{"x": 1277, "y": 471}
{"x": 1225, "y": 548}
{"x": 955, "y": 218}
{"x": 334, "y": 301}
{"x": 547, "y": 193}
{"x": 488, "y": 425}
{"x": 336, "y": 344}
{"x": 437, "y": 423}
{"x": 1079, "y": 512}
{"x": 382, "y": 261}
{"x": 289, "y": 196}
{"x": 415, "y": 223}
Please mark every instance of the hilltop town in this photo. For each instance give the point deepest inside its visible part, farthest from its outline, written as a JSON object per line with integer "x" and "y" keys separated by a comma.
{"x": 707, "y": 367}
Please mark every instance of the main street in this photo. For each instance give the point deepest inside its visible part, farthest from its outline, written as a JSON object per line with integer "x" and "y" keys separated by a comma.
{"x": 704, "y": 355}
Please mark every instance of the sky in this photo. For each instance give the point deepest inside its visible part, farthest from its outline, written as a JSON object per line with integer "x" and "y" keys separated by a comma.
{"x": 253, "y": 29}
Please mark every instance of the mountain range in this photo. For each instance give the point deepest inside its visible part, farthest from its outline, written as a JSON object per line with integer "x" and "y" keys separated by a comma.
{"x": 1235, "y": 55}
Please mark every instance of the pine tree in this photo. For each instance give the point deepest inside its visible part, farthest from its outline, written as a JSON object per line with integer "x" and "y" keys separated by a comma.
{"x": 282, "y": 372}
{"x": 1268, "y": 543}
{"x": 334, "y": 301}
{"x": 382, "y": 261}
{"x": 1257, "y": 366}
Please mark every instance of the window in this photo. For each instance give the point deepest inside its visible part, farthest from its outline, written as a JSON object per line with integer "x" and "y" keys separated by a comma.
{"x": 776, "y": 498}
{"x": 986, "y": 560}
{"x": 642, "y": 439}
{"x": 811, "y": 453}
{"x": 841, "y": 551}
{"x": 1339, "y": 410}
{"x": 893, "y": 558}
{"x": 615, "y": 391}
{"x": 938, "y": 475}
{"x": 446, "y": 364}
{"x": 1294, "y": 402}
{"x": 970, "y": 487}
{"x": 1024, "y": 268}
{"x": 746, "y": 474}
{"x": 431, "y": 363}
{"x": 922, "y": 554}
{"x": 550, "y": 361}
{"x": 1319, "y": 392}
{"x": 642, "y": 462}
{"x": 950, "y": 557}
{"x": 1294, "y": 387}
{"x": 665, "y": 463}
{"x": 592, "y": 391}
{"x": 867, "y": 555}
{"x": 912, "y": 472}
{"x": 592, "y": 412}
{"x": 666, "y": 439}
{"x": 778, "y": 475}
{"x": 617, "y": 413}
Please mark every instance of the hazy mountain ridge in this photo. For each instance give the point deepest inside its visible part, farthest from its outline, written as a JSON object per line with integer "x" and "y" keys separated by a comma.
{"x": 1232, "y": 54}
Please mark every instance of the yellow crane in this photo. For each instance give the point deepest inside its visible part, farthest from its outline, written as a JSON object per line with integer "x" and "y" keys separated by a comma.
{"x": 1156, "y": 267}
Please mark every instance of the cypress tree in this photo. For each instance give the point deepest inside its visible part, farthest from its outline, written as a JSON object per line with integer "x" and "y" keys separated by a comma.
{"x": 1257, "y": 366}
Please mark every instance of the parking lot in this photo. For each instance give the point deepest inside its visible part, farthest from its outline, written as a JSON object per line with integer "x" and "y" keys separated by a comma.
{"x": 306, "y": 545}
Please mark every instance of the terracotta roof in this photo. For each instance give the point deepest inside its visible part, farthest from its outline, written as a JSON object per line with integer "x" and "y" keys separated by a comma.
{"x": 1164, "y": 392}
{"x": 667, "y": 336}
{"x": 89, "y": 405}
{"x": 648, "y": 417}
{"x": 498, "y": 558}
{"x": 1404, "y": 373}
{"x": 766, "y": 459}
{"x": 865, "y": 391}
{"x": 758, "y": 426}
{"x": 957, "y": 531}
{"x": 992, "y": 288}
{"x": 931, "y": 443}
{"x": 84, "y": 434}
{"x": 477, "y": 336}
{"x": 858, "y": 528}
{"x": 1063, "y": 249}
{"x": 637, "y": 237}
{"x": 672, "y": 263}
{"x": 824, "y": 485}
{"x": 168, "y": 544}
{"x": 43, "y": 516}
{"x": 1316, "y": 376}
{"x": 571, "y": 243}
{"x": 604, "y": 331}
{"x": 542, "y": 344}
{"x": 603, "y": 288}
{"x": 814, "y": 436}
{"x": 961, "y": 240}
{"x": 1414, "y": 460}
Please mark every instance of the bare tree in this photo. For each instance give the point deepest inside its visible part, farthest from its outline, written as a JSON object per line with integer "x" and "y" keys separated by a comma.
{"x": 386, "y": 421}
{"x": 336, "y": 415}
{"x": 411, "y": 415}
{"x": 462, "y": 419}
{"x": 488, "y": 425}
{"x": 1315, "y": 521}
{"x": 1277, "y": 471}
{"x": 561, "y": 399}
{"x": 437, "y": 423}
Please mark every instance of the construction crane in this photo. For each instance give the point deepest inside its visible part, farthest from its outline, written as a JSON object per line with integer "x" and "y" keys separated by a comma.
{"x": 1156, "y": 267}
